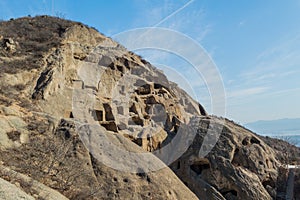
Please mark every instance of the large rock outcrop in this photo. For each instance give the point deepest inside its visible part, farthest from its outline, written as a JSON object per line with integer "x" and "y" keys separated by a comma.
{"x": 57, "y": 75}
{"x": 37, "y": 79}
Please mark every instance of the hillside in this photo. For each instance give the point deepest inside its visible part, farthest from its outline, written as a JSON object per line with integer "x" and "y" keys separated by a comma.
{"x": 81, "y": 117}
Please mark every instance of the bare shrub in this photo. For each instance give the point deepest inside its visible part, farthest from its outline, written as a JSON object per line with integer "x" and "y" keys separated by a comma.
{"x": 52, "y": 159}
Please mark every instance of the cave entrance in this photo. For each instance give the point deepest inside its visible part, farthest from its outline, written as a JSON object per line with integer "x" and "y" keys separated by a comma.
{"x": 108, "y": 112}
{"x": 200, "y": 165}
{"x": 98, "y": 115}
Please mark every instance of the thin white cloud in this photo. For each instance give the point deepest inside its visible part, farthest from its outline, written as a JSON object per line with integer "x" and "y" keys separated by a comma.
{"x": 279, "y": 59}
{"x": 173, "y": 13}
{"x": 186, "y": 17}
{"x": 242, "y": 93}
{"x": 267, "y": 105}
{"x": 281, "y": 92}
{"x": 277, "y": 64}
{"x": 265, "y": 77}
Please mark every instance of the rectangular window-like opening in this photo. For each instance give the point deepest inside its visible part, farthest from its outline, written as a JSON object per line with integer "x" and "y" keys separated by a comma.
{"x": 178, "y": 165}
{"x": 98, "y": 115}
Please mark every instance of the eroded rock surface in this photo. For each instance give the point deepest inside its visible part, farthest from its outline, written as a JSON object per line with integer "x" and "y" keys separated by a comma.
{"x": 38, "y": 134}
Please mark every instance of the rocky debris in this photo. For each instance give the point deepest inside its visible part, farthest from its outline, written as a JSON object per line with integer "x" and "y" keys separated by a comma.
{"x": 45, "y": 81}
{"x": 8, "y": 44}
{"x": 285, "y": 152}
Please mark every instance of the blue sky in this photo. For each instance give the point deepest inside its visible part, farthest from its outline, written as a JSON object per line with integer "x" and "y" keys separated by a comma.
{"x": 254, "y": 44}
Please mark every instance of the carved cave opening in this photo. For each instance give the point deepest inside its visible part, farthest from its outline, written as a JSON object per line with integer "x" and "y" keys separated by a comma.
{"x": 199, "y": 166}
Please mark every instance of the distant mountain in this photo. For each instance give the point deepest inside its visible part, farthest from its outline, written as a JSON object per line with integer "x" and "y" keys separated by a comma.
{"x": 276, "y": 127}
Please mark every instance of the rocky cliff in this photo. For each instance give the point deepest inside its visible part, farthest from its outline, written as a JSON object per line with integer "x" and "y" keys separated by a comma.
{"x": 79, "y": 115}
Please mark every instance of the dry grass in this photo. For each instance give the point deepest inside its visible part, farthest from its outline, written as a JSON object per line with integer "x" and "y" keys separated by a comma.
{"x": 34, "y": 36}
{"x": 52, "y": 159}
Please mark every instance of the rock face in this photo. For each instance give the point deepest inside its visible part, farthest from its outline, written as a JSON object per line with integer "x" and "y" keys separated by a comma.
{"x": 38, "y": 133}
{"x": 57, "y": 75}
{"x": 240, "y": 166}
